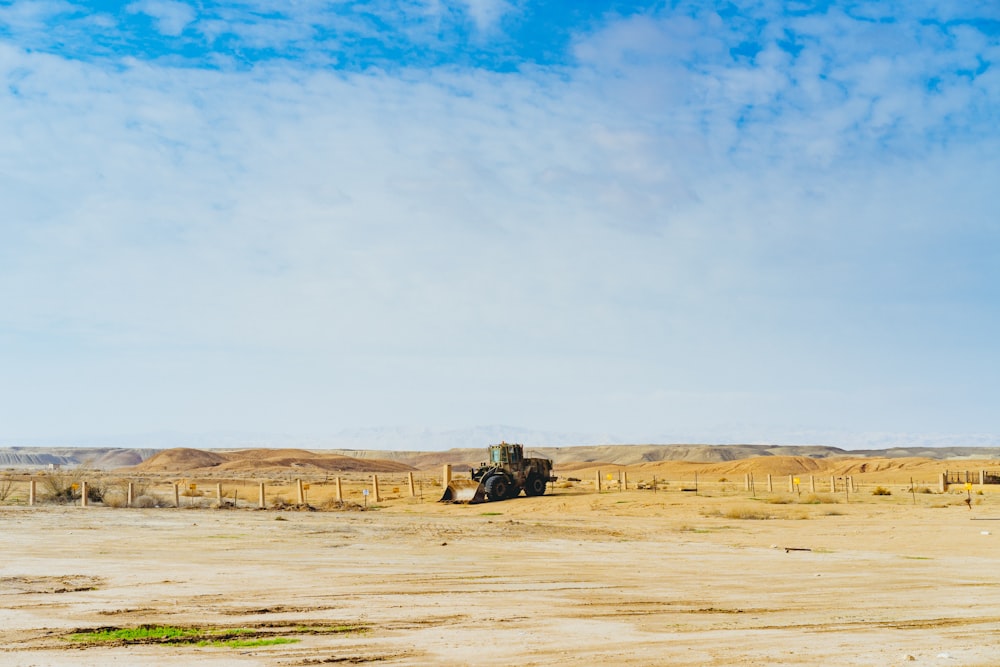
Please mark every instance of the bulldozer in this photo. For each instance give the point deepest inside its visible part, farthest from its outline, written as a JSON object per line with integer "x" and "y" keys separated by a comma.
{"x": 503, "y": 476}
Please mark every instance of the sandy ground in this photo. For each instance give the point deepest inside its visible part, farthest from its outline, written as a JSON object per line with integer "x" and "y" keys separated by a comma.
{"x": 633, "y": 577}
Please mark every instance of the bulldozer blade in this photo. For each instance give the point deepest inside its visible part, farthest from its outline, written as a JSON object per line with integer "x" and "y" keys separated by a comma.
{"x": 465, "y": 491}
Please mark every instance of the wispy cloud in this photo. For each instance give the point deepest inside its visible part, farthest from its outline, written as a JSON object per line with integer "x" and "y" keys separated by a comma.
{"x": 331, "y": 215}
{"x": 170, "y": 16}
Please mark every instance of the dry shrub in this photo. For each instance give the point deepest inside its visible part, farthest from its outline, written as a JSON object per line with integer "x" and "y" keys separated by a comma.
{"x": 333, "y": 505}
{"x": 115, "y": 498}
{"x": 145, "y": 501}
{"x": 6, "y": 485}
{"x": 63, "y": 486}
{"x": 746, "y": 513}
{"x": 819, "y": 499}
{"x": 779, "y": 500}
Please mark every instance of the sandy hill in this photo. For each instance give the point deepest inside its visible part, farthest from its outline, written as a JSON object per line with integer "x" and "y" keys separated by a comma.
{"x": 724, "y": 460}
{"x": 101, "y": 458}
{"x": 262, "y": 460}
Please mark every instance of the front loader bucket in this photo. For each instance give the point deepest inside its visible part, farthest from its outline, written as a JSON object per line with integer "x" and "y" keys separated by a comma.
{"x": 466, "y": 491}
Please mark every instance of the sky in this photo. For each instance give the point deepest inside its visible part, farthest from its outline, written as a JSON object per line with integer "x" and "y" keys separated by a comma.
{"x": 745, "y": 221}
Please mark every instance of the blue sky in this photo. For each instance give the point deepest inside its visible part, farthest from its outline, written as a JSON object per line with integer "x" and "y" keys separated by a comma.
{"x": 637, "y": 221}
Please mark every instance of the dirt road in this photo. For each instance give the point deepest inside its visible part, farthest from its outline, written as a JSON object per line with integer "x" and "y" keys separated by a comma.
{"x": 617, "y": 578}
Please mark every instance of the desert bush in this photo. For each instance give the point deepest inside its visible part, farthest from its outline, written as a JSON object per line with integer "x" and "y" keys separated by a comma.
{"x": 63, "y": 487}
{"x": 6, "y": 485}
{"x": 746, "y": 513}
{"x": 115, "y": 498}
{"x": 881, "y": 491}
{"x": 145, "y": 501}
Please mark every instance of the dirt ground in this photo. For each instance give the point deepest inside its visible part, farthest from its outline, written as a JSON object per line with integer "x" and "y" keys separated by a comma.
{"x": 573, "y": 577}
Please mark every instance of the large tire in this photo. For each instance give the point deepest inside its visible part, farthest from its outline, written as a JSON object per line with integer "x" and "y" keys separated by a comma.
{"x": 497, "y": 488}
{"x": 534, "y": 486}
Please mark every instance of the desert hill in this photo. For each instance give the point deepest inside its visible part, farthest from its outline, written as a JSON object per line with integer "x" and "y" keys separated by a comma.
{"x": 629, "y": 455}
{"x": 100, "y": 458}
{"x": 724, "y": 460}
{"x": 262, "y": 460}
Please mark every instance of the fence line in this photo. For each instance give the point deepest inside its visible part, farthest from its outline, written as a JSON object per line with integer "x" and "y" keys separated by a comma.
{"x": 113, "y": 490}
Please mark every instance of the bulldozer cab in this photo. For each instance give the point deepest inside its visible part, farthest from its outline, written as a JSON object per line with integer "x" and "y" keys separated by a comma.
{"x": 504, "y": 453}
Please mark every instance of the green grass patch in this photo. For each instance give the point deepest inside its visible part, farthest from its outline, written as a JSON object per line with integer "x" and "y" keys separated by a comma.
{"x": 491, "y": 514}
{"x": 166, "y": 634}
{"x": 331, "y": 629}
{"x": 244, "y": 643}
{"x": 144, "y": 633}
{"x": 207, "y": 636}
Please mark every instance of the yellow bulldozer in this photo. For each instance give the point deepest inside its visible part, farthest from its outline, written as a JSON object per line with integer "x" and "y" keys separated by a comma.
{"x": 503, "y": 476}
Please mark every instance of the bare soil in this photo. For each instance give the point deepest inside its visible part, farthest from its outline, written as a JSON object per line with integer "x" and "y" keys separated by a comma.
{"x": 573, "y": 577}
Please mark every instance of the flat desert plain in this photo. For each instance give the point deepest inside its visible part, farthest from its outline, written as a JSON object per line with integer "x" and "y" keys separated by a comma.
{"x": 630, "y": 577}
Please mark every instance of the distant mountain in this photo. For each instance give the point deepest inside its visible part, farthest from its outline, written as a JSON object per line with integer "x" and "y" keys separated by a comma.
{"x": 101, "y": 458}
{"x": 385, "y": 459}
{"x": 425, "y": 439}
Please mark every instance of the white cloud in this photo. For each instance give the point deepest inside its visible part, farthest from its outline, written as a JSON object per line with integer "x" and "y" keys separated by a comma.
{"x": 487, "y": 14}
{"x": 171, "y": 17}
{"x": 285, "y": 248}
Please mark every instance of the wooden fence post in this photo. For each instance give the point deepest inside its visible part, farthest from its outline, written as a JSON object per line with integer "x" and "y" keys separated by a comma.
{"x": 177, "y": 495}
{"x": 375, "y": 492}
{"x": 812, "y": 483}
{"x": 409, "y": 480}
{"x": 598, "y": 481}
{"x": 943, "y": 483}
{"x": 770, "y": 484}
{"x": 624, "y": 480}
{"x": 446, "y": 475}
{"x": 218, "y": 493}
{"x": 340, "y": 492}
{"x": 260, "y": 497}
{"x": 32, "y": 491}
{"x": 130, "y": 495}
{"x": 83, "y": 494}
